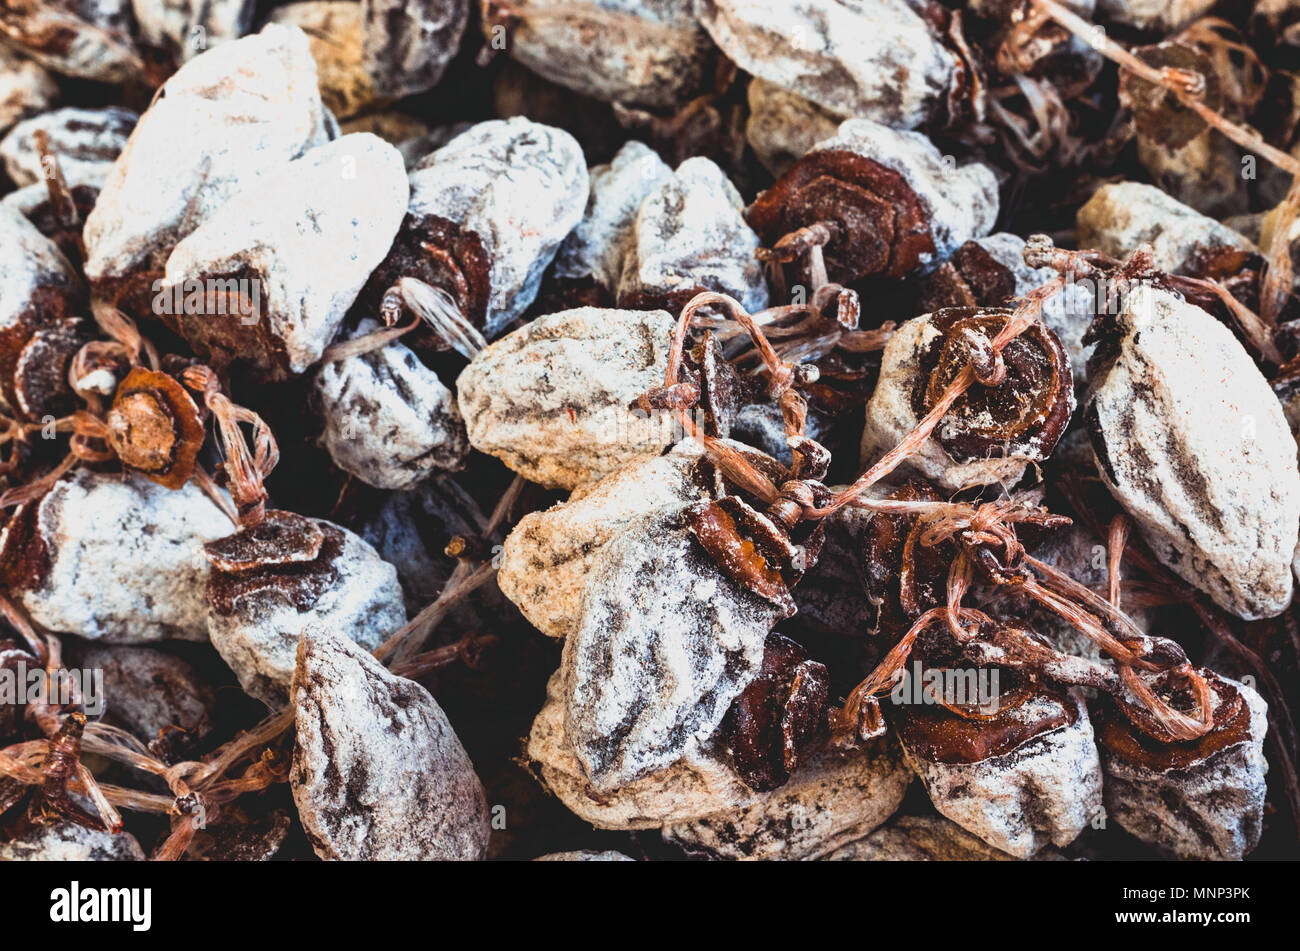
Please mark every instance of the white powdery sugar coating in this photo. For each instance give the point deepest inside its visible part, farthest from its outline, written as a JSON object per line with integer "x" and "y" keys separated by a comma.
{"x": 29, "y": 262}
{"x": 548, "y": 555}
{"x": 388, "y": 419}
{"x": 636, "y": 52}
{"x": 220, "y": 123}
{"x": 696, "y": 785}
{"x": 189, "y": 27}
{"x": 1192, "y": 442}
{"x": 783, "y": 126}
{"x": 68, "y": 842}
{"x": 831, "y": 800}
{"x": 960, "y": 201}
{"x": 585, "y": 855}
{"x": 1068, "y": 313}
{"x": 407, "y": 44}
{"x": 597, "y": 246}
{"x": 518, "y": 185}
{"x": 333, "y": 29}
{"x": 1211, "y": 811}
{"x": 378, "y": 773}
{"x": 89, "y": 39}
{"x": 1119, "y": 218}
{"x": 873, "y": 58}
{"x": 126, "y": 559}
{"x": 550, "y": 400}
{"x": 85, "y": 141}
{"x": 1165, "y": 16}
{"x": 1044, "y": 791}
{"x": 891, "y": 417}
{"x": 25, "y": 88}
{"x": 701, "y": 803}
{"x": 311, "y": 232}
{"x": 691, "y": 233}
{"x": 658, "y": 656}
{"x": 259, "y": 640}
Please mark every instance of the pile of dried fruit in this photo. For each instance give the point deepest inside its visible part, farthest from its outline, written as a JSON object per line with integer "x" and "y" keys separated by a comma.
{"x": 769, "y": 428}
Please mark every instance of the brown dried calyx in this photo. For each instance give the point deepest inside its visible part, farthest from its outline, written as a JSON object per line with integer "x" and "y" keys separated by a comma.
{"x": 779, "y": 718}
{"x": 1127, "y": 730}
{"x": 285, "y": 554}
{"x": 970, "y": 278}
{"x": 1022, "y": 398}
{"x": 944, "y": 733}
{"x": 155, "y": 427}
{"x": 441, "y": 254}
{"x": 874, "y": 222}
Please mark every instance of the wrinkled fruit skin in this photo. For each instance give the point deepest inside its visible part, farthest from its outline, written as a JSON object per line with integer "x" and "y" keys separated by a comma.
{"x": 551, "y": 399}
{"x": 378, "y": 773}
{"x": 1041, "y": 792}
{"x": 1203, "y": 800}
{"x": 1192, "y": 442}
{"x": 665, "y": 644}
{"x": 258, "y": 608}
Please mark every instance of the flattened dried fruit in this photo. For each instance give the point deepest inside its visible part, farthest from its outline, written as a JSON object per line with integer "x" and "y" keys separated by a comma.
{"x": 549, "y": 555}
{"x": 878, "y": 59}
{"x": 123, "y": 558}
{"x": 594, "y": 251}
{"x": 333, "y": 28}
{"x": 783, "y": 126}
{"x": 88, "y": 39}
{"x": 1028, "y": 777}
{"x": 186, "y": 28}
{"x": 1192, "y": 442}
{"x": 636, "y": 52}
{"x": 702, "y": 805}
{"x": 406, "y": 46}
{"x": 993, "y": 432}
{"x": 157, "y": 696}
{"x": 690, "y": 236}
{"x": 25, "y": 88}
{"x": 891, "y": 201}
{"x": 498, "y": 199}
{"x": 86, "y": 142}
{"x": 68, "y": 842}
{"x": 387, "y": 417}
{"x": 835, "y": 797}
{"x": 219, "y": 124}
{"x": 378, "y": 773}
{"x": 291, "y": 285}
{"x": 1118, "y": 218}
{"x": 1165, "y": 16}
{"x": 1202, "y": 799}
{"x": 551, "y": 399}
{"x": 991, "y": 272}
{"x": 271, "y": 581}
{"x": 665, "y": 644}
